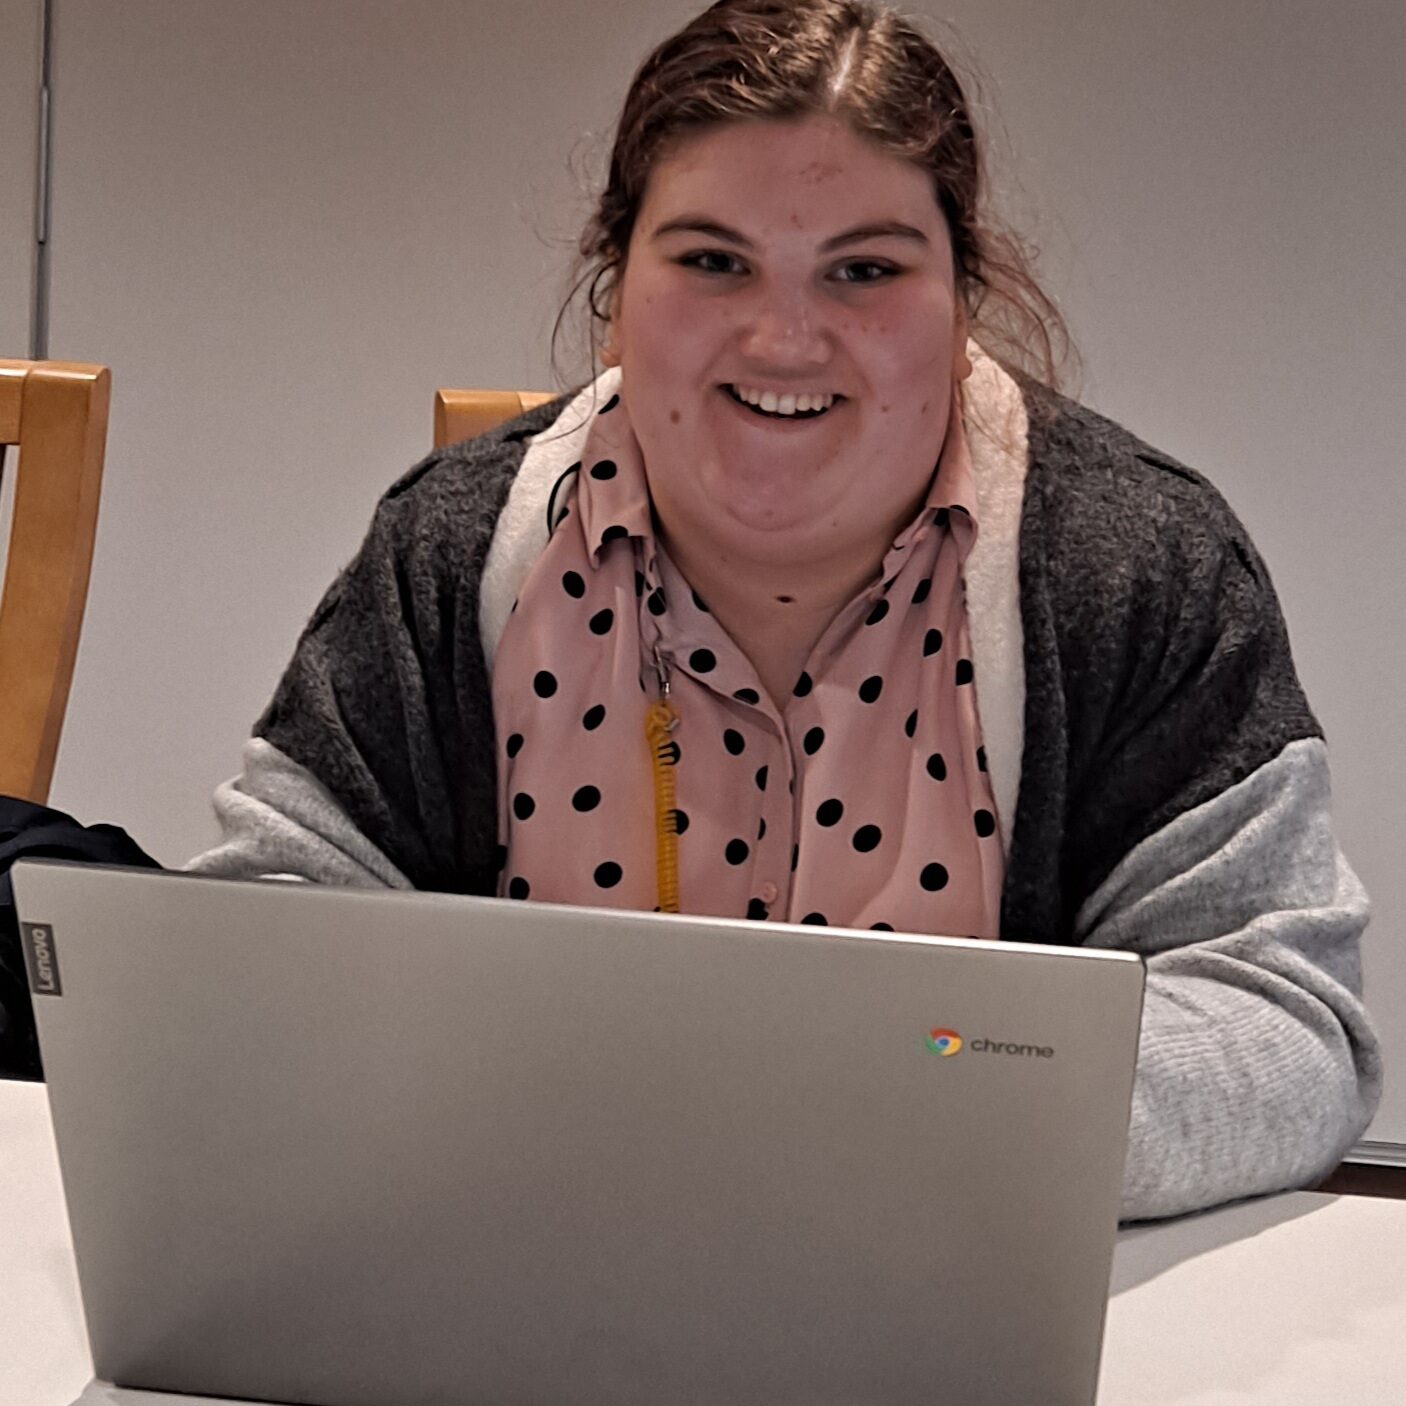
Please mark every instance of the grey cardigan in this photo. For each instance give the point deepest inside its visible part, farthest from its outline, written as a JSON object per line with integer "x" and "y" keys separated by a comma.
{"x": 1161, "y": 782}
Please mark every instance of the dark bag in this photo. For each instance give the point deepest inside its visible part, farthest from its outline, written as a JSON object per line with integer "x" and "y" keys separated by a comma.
{"x": 29, "y": 831}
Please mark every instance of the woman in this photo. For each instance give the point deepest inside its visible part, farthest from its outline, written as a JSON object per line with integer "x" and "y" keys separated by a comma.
{"x": 800, "y": 526}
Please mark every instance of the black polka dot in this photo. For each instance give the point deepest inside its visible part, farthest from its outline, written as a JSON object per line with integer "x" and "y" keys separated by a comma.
{"x": 941, "y": 518}
{"x": 671, "y": 752}
{"x": 737, "y": 851}
{"x": 523, "y": 805}
{"x": 937, "y": 768}
{"x": 818, "y": 919}
{"x": 881, "y": 608}
{"x": 702, "y": 661}
{"x": 932, "y": 642}
{"x": 586, "y": 798}
{"x": 544, "y": 684}
{"x": 804, "y": 684}
{"x": 609, "y": 405}
{"x": 518, "y": 888}
{"x": 500, "y": 858}
{"x": 601, "y": 622}
{"x": 964, "y": 671}
{"x": 656, "y": 601}
{"x": 985, "y": 823}
{"x": 795, "y": 857}
{"x": 734, "y": 742}
{"x": 921, "y": 592}
{"x": 829, "y": 812}
{"x": 613, "y": 533}
{"x": 813, "y": 741}
{"x": 513, "y": 745}
{"x": 910, "y": 724}
{"x": 761, "y": 778}
{"x": 761, "y": 828}
{"x": 639, "y": 583}
{"x": 698, "y": 602}
{"x": 871, "y": 688}
{"x": 756, "y": 910}
{"x": 981, "y": 758}
{"x": 592, "y": 718}
{"x": 867, "y": 837}
{"x": 881, "y": 927}
{"x": 573, "y": 585}
{"x": 933, "y": 877}
{"x": 748, "y": 695}
{"x": 607, "y": 875}
{"x": 603, "y": 471}
{"x": 680, "y": 821}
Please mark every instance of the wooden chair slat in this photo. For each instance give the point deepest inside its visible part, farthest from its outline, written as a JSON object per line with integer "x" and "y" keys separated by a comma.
{"x": 56, "y": 413}
{"x": 462, "y": 414}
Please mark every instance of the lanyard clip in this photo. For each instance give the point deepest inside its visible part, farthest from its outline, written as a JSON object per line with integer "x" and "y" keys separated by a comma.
{"x": 661, "y": 668}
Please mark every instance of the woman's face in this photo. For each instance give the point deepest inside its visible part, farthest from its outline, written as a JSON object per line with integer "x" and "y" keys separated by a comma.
{"x": 787, "y": 259}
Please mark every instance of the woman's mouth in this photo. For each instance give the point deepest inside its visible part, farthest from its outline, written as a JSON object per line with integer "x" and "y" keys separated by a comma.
{"x": 809, "y": 405}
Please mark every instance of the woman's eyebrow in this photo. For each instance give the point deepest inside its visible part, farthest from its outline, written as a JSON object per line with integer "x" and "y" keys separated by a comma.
{"x": 711, "y": 229}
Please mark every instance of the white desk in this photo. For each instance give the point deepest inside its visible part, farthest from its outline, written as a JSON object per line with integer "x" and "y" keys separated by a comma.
{"x": 1290, "y": 1301}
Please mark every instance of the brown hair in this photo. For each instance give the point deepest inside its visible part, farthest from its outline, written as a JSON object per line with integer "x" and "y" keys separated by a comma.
{"x": 745, "y": 59}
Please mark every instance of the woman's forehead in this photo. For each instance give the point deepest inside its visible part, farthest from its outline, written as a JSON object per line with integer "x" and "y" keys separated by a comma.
{"x": 811, "y": 171}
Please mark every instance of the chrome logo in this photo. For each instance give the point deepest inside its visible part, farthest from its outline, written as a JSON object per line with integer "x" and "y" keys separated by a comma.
{"x": 943, "y": 1042}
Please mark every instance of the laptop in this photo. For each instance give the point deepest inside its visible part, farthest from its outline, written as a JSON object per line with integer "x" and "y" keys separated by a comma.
{"x": 355, "y": 1148}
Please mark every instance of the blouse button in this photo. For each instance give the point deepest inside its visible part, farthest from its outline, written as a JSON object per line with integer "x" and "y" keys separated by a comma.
{"x": 767, "y": 894}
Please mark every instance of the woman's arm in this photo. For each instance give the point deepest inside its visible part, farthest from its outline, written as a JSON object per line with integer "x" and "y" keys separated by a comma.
{"x": 1258, "y": 1066}
{"x": 374, "y": 761}
{"x": 278, "y": 821}
{"x": 1176, "y": 803}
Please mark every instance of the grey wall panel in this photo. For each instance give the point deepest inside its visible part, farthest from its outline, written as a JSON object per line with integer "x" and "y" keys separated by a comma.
{"x": 20, "y": 23}
{"x": 284, "y": 225}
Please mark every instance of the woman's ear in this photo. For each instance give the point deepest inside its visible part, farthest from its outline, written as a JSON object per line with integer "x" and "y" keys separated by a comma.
{"x": 961, "y": 362}
{"x": 609, "y": 350}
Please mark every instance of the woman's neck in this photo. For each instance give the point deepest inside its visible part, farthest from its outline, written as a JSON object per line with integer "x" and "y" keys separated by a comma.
{"x": 775, "y": 612}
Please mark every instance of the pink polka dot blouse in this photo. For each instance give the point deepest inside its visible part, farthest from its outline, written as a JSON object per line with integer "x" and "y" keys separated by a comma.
{"x": 861, "y": 800}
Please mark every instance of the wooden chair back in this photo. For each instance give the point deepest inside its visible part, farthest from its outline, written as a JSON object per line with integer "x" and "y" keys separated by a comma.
{"x": 55, "y": 413}
{"x": 463, "y": 414}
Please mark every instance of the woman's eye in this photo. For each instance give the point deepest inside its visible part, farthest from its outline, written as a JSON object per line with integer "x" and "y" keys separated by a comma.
{"x": 712, "y": 261}
{"x": 864, "y": 271}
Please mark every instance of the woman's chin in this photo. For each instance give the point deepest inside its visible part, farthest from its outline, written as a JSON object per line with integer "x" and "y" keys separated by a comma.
{"x": 766, "y": 527}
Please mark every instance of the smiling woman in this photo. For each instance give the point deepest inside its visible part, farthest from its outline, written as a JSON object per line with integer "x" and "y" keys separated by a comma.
{"x": 820, "y": 604}
{"x": 749, "y": 288}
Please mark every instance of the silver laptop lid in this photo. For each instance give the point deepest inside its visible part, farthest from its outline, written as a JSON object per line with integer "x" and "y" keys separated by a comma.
{"x": 387, "y": 1149}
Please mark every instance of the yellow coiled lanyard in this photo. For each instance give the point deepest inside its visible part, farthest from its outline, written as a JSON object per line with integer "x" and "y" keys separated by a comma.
{"x": 659, "y": 722}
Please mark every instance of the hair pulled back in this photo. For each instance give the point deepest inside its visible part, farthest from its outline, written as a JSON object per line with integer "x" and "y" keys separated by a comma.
{"x": 741, "y": 60}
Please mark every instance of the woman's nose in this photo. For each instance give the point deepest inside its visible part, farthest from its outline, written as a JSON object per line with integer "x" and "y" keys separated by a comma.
{"x": 786, "y": 332}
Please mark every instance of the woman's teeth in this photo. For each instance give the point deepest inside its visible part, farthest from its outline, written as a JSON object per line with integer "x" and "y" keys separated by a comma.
{"x": 769, "y": 403}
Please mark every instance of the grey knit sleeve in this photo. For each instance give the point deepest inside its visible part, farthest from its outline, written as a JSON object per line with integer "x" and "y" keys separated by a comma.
{"x": 1258, "y": 1067}
{"x": 278, "y": 821}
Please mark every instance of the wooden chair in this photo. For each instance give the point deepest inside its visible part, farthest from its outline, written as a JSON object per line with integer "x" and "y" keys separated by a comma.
{"x": 55, "y": 412}
{"x": 463, "y": 414}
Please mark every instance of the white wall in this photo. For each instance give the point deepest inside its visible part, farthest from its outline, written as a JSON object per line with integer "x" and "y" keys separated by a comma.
{"x": 285, "y": 225}
{"x": 19, "y": 125}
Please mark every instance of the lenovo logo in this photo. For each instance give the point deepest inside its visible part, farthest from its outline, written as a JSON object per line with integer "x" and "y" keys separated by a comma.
{"x": 41, "y": 958}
